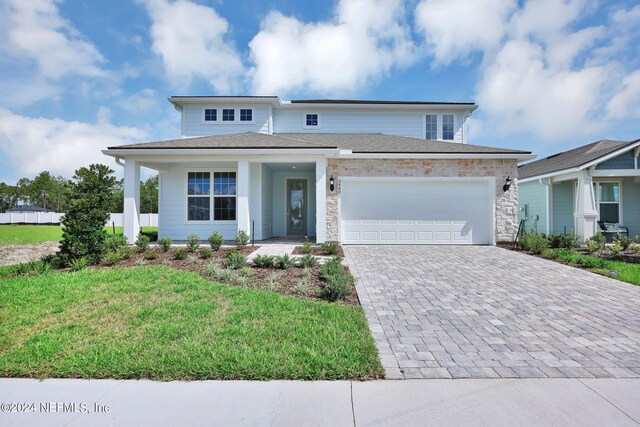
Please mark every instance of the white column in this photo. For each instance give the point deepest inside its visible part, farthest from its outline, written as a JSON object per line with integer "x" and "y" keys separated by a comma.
{"x": 242, "y": 194}
{"x": 585, "y": 209}
{"x": 131, "y": 217}
{"x": 321, "y": 200}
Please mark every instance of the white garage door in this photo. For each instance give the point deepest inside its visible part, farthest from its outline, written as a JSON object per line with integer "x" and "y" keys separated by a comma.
{"x": 406, "y": 211}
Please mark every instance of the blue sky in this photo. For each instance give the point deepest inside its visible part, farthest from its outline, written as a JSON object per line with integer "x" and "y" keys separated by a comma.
{"x": 78, "y": 76}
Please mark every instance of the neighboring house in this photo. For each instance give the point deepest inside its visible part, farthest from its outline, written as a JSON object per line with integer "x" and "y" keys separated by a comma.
{"x": 27, "y": 209}
{"x": 351, "y": 171}
{"x": 574, "y": 190}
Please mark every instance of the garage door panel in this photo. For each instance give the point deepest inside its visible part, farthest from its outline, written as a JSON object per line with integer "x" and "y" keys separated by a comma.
{"x": 405, "y": 212}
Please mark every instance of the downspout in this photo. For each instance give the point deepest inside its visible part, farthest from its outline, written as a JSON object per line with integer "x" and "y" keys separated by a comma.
{"x": 548, "y": 196}
{"x": 119, "y": 161}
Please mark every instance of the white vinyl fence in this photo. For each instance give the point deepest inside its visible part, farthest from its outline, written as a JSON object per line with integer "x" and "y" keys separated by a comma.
{"x": 146, "y": 220}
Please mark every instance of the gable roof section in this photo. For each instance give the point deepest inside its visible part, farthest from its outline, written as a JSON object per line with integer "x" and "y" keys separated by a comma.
{"x": 572, "y": 159}
{"x": 356, "y": 142}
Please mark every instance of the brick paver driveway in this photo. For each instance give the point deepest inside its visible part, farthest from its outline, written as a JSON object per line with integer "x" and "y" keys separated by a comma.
{"x": 455, "y": 311}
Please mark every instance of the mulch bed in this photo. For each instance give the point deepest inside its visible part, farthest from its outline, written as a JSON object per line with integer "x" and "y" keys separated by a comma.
{"x": 317, "y": 251}
{"x": 286, "y": 280}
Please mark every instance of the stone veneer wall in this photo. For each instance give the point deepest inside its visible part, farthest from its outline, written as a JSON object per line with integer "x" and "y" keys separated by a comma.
{"x": 506, "y": 203}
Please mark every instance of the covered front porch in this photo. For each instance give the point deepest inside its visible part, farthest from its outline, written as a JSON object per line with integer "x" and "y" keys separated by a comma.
{"x": 266, "y": 196}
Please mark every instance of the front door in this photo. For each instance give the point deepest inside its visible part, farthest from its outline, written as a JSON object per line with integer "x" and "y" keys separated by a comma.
{"x": 296, "y": 207}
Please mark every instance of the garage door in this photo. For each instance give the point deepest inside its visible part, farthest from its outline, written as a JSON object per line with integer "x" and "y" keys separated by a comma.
{"x": 416, "y": 212}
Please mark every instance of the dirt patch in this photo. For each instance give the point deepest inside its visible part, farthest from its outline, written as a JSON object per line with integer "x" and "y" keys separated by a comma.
{"x": 24, "y": 253}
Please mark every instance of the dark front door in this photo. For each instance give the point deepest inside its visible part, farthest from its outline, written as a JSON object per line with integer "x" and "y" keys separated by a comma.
{"x": 296, "y": 207}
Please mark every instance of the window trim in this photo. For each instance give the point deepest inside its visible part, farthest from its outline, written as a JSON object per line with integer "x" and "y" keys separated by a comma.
{"x": 236, "y": 116}
{"x": 304, "y": 120}
{"x": 453, "y": 127}
{"x": 246, "y": 121}
{"x": 209, "y": 122}
{"x": 211, "y": 196}
{"x": 596, "y": 197}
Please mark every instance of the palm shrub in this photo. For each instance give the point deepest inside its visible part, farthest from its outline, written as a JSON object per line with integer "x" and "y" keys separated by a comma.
{"x": 193, "y": 242}
{"x": 83, "y": 233}
{"x": 306, "y": 248}
{"x": 307, "y": 261}
{"x": 330, "y": 248}
{"x": 283, "y": 261}
{"x": 216, "y": 241}
{"x": 242, "y": 238}
{"x": 263, "y": 261}
{"x": 235, "y": 260}
{"x": 142, "y": 242}
{"x": 165, "y": 244}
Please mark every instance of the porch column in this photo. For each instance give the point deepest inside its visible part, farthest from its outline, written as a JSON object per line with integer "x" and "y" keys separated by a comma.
{"x": 321, "y": 200}
{"x": 242, "y": 194}
{"x": 131, "y": 217}
{"x": 585, "y": 213}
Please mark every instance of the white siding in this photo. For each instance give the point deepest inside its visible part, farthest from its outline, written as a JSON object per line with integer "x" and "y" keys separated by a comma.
{"x": 173, "y": 216}
{"x": 193, "y": 125}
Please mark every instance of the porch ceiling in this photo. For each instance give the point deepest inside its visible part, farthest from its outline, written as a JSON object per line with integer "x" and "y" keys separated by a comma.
{"x": 290, "y": 167}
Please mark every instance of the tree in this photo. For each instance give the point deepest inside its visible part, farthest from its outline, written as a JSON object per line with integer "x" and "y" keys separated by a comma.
{"x": 83, "y": 233}
{"x": 149, "y": 195}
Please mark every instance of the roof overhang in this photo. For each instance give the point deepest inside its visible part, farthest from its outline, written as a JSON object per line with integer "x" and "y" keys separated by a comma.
{"x": 179, "y": 101}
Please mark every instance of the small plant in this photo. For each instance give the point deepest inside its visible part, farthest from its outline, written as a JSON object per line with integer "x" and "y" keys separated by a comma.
{"x": 623, "y": 241}
{"x": 113, "y": 258}
{"x": 596, "y": 242}
{"x": 533, "y": 242}
{"x": 211, "y": 270}
{"x": 235, "y": 260}
{"x": 78, "y": 264}
{"x": 246, "y": 272}
{"x": 330, "y": 248}
{"x": 308, "y": 261}
{"x": 150, "y": 256}
{"x": 206, "y": 253}
{"x": 337, "y": 283}
{"x": 165, "y": 244}
{"x": 307, "y": 247}
{"x": 283, "y": 262}
{"x": 114, "y": 242}
{"x": 263, "y": 261}
{"x": 304, "y": 272}
{"x": 226, "y": 275}
{"x": 141, "y": 261}
{"x": 125, "y": 252}
{"x": 617, "y": 247}
{"x": 193, "y": 242}
{"x": 242, "y": 238}
{"x": 634, "y": 247}
{"x": 244, "y": 281}
{"x": 142, "y": 242}
{"x": 563, "y": 240}
{"x": 21, "y": 269}
{"x": 180, "y": 254}
{"x": 42, "y": 268}
{"x": 216, "y": 241}
{"x": 192, "y": 260}
{"x": 272, "y": 282}
{"x": 301, "y": 287}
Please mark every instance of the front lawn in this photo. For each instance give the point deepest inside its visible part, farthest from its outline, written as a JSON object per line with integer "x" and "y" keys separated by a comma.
{"x": 160, "y": 323}
{"x": 24, "y": 234}
{"x": 627, "y": 272}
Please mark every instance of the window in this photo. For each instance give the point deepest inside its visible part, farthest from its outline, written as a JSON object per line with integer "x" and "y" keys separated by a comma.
{"x": 447, "y": 127}
{"x": 228, "y": 115}
{"x": 200, "y": 198}
{"x": 608, "y": 201}
{"x": 312, "y": 120}
{"x": 432, "y": 126}
{"x": 210, "y": 115}
{"x": 224, "y": 196}
{"x": 246, "y": 115}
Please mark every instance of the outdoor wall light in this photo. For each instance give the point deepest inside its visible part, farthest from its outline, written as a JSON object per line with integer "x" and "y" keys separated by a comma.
{"x": 507, "y": 184}
{"x": 332, "y": 183}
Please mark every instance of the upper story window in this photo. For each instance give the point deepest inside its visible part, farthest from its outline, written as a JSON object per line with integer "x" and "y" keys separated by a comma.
{"x": 246, "y": 115}
{"x": 447, "y": 127}
{"x": 312, "y": 120}
{"x": 210, "y": 115}
{"x": 432, "y": 126}
{"x": 228, "y": 115}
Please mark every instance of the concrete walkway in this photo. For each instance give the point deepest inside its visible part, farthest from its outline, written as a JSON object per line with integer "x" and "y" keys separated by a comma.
{"x": 533, "y": 402}
{"x": 487, "y": 312}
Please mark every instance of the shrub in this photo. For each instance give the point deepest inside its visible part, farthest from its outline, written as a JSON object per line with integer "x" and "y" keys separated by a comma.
{"x": 533, "y": 242}
{"x": 180, "y": 254}
{"x": 191, "y": 260}
{"x": 78, "y": 264}
{"x": 263, "y": 261}
{"x": 301, "y": 286}
{"x": 242, "y": 238}
{"x": 307, "y": 261}
{"x": 149, "y": 256}
{"x": 226, "y": 275}
{"x": 306, "y": 248}
{"x": 113, "y": 258}
{"x": 596, "y": 242}
{"x": 206, "y": 253}
{"x": 617, "y": 247}
{"x": 272, "y": 282}
{"x": 243, "y": 281}
{"x": 216, "y": 241}
{"x": 563, "y": 240}
{"x": 193, "y": 242}
{"x": 165, "y": 244}
{"x": 246, "y": 272}
{"x": 211, "y": 270}
{"x": 634, "y": 247}
{"x": 142, "y": 243}
{"x": 21, "y": 269}
{"x": 337, "y": 283}
{"x": 235, "y": 260}
{"x": 83, "y": 233}
{"x": 125, "y": 252}
{"x": 330, "y": 248}
{"x": 114, "y": 242}
{"x": 283, "y": 261}
{"x": 624, "y": 241}
{"x": 141, "y": 261}
{"x": 42, "y": 268}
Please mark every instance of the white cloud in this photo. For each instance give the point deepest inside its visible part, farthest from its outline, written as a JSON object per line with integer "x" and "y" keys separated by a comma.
{"x": 190, "y": 40}
{"x": 34, "y": 31}
{"x": 455, "y": 28}
{"x": 59, "y": 146}
{"x": 142, "y": 102}
{"x": 626, "y": 103}
{"x": 364, "y": 41}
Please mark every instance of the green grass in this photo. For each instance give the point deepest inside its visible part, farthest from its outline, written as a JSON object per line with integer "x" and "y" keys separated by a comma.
{"x": 165, "y": 324}
{"x": 24, "y": 234}
{"x": 627, "y": 272}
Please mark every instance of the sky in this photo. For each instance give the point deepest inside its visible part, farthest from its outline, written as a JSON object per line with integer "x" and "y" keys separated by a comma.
{"x": 77, "y": 76}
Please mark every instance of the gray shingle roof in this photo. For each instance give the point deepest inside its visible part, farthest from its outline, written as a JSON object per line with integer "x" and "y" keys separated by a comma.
{"x": 572, "y": 159}
{"x": 357, "y": 142}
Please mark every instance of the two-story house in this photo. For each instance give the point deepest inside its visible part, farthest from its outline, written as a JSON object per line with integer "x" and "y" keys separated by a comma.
{"x": 371, "y": 172}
